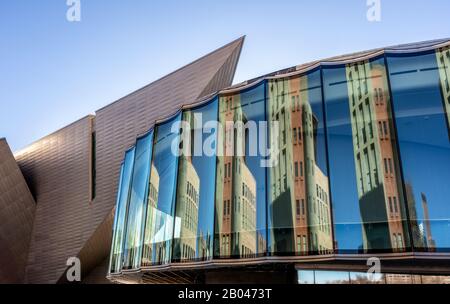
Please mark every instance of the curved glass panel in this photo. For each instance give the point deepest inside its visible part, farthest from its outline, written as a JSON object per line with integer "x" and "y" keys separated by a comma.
{"x": 138, "y": 198}
{"x": 299, "y": 205}
{"x": 123, "y": 192}
{"x": 367, "y": 194}
{"x": 194, "y": 221}
{"x": 161, "y": 195}
{"x": 419, "y": 86}
{"x": 240, "y": 209}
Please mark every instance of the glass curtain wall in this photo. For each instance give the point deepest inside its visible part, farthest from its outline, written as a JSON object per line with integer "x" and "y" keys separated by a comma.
{"x": 115, "y": 264}
{"x": 420, "y": 91}
{"x": 299, "y": 201}
{"x": 159, "y": 223}
{"x": 240, "y": 209}
{"x": 194, "y": 220}
{"x": 375, "y": 179}
{"x": 367, "y": 193}
{"x": 137, "y": 203}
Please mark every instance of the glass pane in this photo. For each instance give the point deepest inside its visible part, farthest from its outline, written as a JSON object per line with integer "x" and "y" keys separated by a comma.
{"x": 136, "y": 207}
{"x": 365, "y": 278}
{"x": 305, "y": 277}
{"x": 123, "y": 192}
{"x": 418, "y": 84}
{"x": 332, "y": 277}
{"x": 161, "y": 195}
{"x": 240, "y": 216}
{"x": 194, "y": 221}
{"x": 299, "y": 205}
{"x": 368, "y": 203}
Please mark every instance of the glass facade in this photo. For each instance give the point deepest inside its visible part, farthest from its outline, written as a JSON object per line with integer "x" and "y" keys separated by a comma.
{"x": 159, "y": 223}
{"x": 194, "y": 220}
{"x": 369, "y": 208}
{"x": 137, "y": 201}
{"x": 359, "y": 163}
{"x": 419, "y": 86}
{"x": 126, "y": 171}
{"x": 299, "y": 204}
{"x": 240, "y": 211}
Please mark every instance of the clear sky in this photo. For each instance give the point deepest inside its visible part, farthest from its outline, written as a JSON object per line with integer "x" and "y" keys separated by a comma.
{"x": 54, "y": 72}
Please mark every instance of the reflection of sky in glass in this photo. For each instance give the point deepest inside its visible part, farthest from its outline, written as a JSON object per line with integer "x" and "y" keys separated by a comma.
{"x": 364, "y": 276}
{"x": 205, "y": 167}
{"x": 423, "y": 137}
{"x": 305, "y": 276}
{"x": 338, "y": 277}
{"x": 121, "y": 209}
{"x": 347, "y": 218}
{"x": 165, "y": 163}
{"x": 253, "y": 107}
{"x": 138, "y": 195}
{"x": 125, "y": 179}
{"x": 315, "y": 100}
{"x": 331, "y": 277}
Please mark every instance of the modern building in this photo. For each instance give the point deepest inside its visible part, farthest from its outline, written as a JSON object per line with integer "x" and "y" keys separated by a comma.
{"x": 300, "y": 175}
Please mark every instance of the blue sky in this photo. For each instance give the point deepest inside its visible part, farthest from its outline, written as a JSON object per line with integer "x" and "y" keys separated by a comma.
{"x": 54, "y": 72}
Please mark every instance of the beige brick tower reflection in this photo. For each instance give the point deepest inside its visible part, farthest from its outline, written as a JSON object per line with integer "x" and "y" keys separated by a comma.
{"x": 299, "y": 189}
{"x": 236, "y": 187}
{"x": 188, "y": 198}
{"x": 187, "y": 209}
{"x": 149, "y": 233}
{"x": 377, "y": 166}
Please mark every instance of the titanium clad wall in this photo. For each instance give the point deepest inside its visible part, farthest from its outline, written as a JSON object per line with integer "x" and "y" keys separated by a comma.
{"x": 17, "y": 209}
{"x": 59, "y": 166}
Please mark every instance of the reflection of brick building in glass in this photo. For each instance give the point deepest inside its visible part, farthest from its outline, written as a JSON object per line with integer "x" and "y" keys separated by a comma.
{"x": 151, "y": 217}
{"x": 299, "y": 189}
{"x": 377, "y": 166}
{"x": 187, "y": 211}
{"x": 443, "y": 60}
{"x": 236, "y": 213}
{"x": 188, "y": 198}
